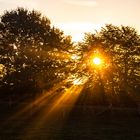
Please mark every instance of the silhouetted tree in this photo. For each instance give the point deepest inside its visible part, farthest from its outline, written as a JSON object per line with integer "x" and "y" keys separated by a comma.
{"x": 29, "y": 48}
{"x": 123, "y": 45}
{"x": 119, "y": 47}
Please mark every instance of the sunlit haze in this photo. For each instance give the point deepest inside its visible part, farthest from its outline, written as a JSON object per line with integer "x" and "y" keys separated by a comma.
{"x": 75, "y": 17}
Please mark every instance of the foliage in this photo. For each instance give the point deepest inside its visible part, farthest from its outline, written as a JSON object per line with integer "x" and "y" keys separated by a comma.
{"x": 35, "y": 55}
{"x": 27, "y": 44}
{"x": 120, "y": 48}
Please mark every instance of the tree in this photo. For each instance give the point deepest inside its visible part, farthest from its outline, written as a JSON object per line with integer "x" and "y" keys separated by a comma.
{"x": 120, "y": 49}
{"x": 28, "y": 48}
{"x": 124, "y": 45}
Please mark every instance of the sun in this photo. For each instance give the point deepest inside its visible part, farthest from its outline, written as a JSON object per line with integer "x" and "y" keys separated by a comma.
{"x": 97, "y": 61}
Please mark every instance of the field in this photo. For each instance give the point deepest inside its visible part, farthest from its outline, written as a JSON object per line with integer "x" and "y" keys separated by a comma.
{"x": 83, "y": 122}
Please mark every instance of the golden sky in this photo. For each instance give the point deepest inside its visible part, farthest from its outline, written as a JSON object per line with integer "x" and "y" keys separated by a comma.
{"x": 75, "y": 17}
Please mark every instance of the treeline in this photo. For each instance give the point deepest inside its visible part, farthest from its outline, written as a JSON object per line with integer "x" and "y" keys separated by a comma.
{"x": 34, "y": 55}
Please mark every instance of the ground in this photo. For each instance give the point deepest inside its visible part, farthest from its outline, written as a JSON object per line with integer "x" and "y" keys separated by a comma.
{"x": 83, "y": 122}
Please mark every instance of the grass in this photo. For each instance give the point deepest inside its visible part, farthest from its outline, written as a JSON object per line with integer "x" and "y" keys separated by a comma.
{"x": 83, "y": 122}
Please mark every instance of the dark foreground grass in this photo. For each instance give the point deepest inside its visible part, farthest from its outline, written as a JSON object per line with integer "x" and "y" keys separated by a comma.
{"x": 82, "y": 123}
{"x": 118, "y": 124}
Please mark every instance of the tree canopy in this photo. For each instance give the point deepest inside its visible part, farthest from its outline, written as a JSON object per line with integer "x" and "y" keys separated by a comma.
{"x": 27, "y": 46}
{"x": 119, "y": 47}
{"x": 36, "y": 55}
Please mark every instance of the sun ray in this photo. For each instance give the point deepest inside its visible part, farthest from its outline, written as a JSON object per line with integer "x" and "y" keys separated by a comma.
{"x": 37, "y": 102}
{"x": 60, "y": 108}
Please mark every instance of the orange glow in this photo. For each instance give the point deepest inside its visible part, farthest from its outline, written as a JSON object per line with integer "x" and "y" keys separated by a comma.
{"x": 77, "y": 82}
{"x": 80, "y": 81}
{"x": 75, "y": 57}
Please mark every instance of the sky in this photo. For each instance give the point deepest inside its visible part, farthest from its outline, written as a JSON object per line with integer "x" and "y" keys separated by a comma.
{"x": 75, "y": 17}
